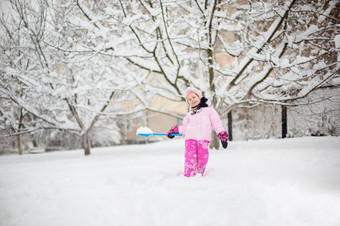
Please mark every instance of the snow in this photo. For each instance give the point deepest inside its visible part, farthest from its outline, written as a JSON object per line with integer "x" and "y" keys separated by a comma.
{"x": 337, "y": 42}
{"x": 266, "y": 182}
{"x": 337, "y": 47}
{"x": 145, "y": 130}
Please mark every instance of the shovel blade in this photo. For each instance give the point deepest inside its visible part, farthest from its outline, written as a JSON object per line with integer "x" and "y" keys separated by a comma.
{"x": 144, "y": 134}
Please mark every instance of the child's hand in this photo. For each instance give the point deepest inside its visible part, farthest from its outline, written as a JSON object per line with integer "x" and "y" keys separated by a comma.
{"x": 223, "y": 136}
{"x": 173, "y": 129}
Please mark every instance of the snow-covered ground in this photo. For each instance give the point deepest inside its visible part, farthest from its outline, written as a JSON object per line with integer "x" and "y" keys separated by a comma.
{"x": 266, "y": 182}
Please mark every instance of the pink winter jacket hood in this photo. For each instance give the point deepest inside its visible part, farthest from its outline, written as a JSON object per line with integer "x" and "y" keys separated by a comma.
{"x": 198, "y": 126}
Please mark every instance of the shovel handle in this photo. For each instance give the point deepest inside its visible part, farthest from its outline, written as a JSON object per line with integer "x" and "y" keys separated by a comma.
{"x": 158, "y": 134}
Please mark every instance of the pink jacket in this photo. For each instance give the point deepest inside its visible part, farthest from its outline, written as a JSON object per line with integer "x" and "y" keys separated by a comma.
{"x": 199, "y": 125}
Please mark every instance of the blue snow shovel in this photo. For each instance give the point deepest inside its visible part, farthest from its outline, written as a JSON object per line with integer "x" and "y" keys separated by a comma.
{"x": 158, "y": 134}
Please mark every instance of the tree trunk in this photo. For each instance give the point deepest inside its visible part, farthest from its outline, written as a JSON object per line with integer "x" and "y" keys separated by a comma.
{"x": 19, "y": 145}
{"x": 215, "y": 142}
{"x": 284, "y": 120}
{"x": 86, "y": 143}
{"x": 20, "y": 152}
{"x": 230, "y": 126}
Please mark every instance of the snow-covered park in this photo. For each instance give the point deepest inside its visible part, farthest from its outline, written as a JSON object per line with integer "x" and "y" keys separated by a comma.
{"x": 265, "y": 182}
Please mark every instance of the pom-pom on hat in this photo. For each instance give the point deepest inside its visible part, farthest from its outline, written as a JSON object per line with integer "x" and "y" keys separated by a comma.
{"x": 191, "y": 90}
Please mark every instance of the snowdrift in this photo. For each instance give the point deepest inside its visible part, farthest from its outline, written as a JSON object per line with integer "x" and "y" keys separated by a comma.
{"x": 265, "y": 182}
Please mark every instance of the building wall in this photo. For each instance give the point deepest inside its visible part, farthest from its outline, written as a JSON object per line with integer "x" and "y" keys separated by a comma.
{"x": 256, "y": 123}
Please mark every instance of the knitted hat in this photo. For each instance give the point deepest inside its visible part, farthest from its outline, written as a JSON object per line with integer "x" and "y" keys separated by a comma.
{"x": 191, "y": 90}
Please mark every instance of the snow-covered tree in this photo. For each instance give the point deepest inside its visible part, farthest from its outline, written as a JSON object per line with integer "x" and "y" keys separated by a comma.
{"x": 17, "y": 116}
{"x": 65, "y": 79}
{"x": 82, "y": 60}
{"x": 239, "y": 53}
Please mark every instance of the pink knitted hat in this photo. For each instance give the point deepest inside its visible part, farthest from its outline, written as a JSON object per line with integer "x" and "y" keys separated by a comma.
{"x": 191, "y": 90}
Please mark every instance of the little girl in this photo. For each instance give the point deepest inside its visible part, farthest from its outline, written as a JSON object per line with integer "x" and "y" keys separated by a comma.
{"x": 196, "y": 127}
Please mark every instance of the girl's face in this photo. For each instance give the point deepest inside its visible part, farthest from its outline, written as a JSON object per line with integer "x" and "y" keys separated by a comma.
{"x": 193, "y": 100}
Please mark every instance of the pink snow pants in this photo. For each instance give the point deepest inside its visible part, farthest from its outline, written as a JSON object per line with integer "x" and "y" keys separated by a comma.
{"x": 196, "y": 157}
